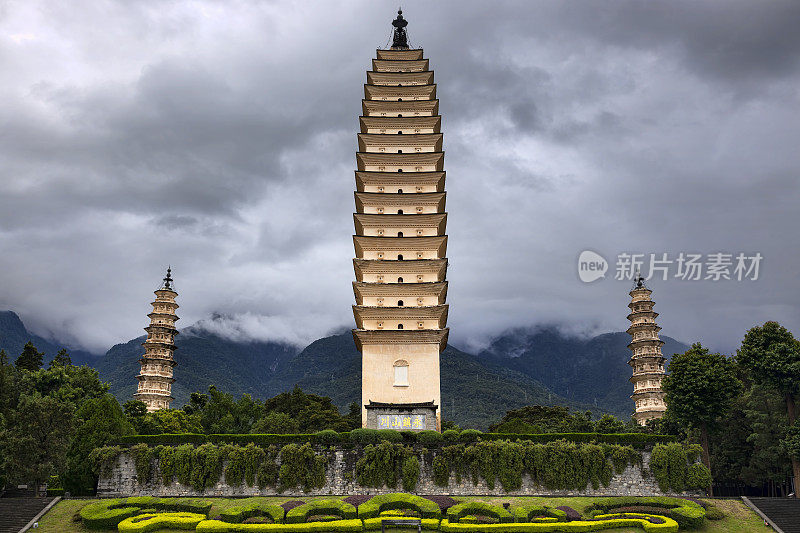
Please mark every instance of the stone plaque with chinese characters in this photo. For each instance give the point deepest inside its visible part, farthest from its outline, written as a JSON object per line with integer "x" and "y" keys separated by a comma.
{"x": 401, "y": 422}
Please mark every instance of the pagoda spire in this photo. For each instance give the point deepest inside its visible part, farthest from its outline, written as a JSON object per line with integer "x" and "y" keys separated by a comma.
{"x": 399, "y": 36}
{"x": 646, "y": 360}
{"x": 400, "y": 242}
{"x": 158, "y": 361}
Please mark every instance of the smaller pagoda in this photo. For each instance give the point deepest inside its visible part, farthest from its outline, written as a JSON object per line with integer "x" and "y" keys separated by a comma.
{"x": 647, "y": 360}
{"x": 155, "y": 378}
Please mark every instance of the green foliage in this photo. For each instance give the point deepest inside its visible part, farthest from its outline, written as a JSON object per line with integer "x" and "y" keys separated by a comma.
{"x": 62, "y": 358}
{"x": 301, "y": 513}
{"x": 364, "y": 436}
{"x": 410, "y": 473}
{"x": 612, "y": 522}
{"x": 668, "y": 463}
{"x": 240, "y": 513}
{"x": 374, "y": 524}
{"x": 450, "y": 435}
{"x": 301, "y": 467}
{"x": 311, "y": 412}
{"x": 106, "y": 514}
{"x": 688, "y": 514}
{"x": 390, "y": 435}
{"x": 336, "y": 526}
{"x": 143, "y": 456}
{"x": 543, "y": 419}
{"x": 529, "y": 513}
{"x": 102, "y": 459}
{"x": 792, "y": 440}
{"x": 156, "y": 521}
{"x": 771, "y": 354}
{"x": 609, "y": 424}
{"x": 469, "y": 435}
{"x": 30, "y": 359}
{"x": 326, "y": 436}
{"x": 380, "y": 464}
{"x": 713, "y": 512}
{"x": 173, "y": 421}
{"x": 206, "y": 466}
{"x": 698, "y": 477}
{"x": 441, "y": 471}
{"x": 429, "y": 437}
{"x": 278, "y": 423}
{"x": 398, "y": 500}
{"x": 476, "y": 507}
{"x": 100, "y": 421}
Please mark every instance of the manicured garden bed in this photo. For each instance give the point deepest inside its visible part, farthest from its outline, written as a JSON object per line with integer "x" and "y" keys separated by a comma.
{"x": 255, "y": 514}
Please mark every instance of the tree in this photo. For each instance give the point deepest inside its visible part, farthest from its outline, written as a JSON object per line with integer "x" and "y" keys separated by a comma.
{"x": 772, "y": 356}
{"x": 30, "y": 358}
{"x": 62, "y": 358}
{"x": 609, "y": 424}
{"x": 277, "y": 423}
{"x": 700, "y": 389}
{"x": 135, "y": 411}
{"x": 99, "y": 422}
{"x": 170, "y": 421}
{"x": 37, "y": 438}
{"x": 544, "y": 419}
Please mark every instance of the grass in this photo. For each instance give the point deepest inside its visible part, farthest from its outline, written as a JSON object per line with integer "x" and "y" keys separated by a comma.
{"x": 738, "y": 517}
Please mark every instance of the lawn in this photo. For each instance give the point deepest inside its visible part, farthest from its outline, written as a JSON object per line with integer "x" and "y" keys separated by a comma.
{"x": 738, "y": 518}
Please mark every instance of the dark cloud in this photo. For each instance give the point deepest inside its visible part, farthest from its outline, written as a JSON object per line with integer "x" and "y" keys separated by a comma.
{"x": 220, "y": 138}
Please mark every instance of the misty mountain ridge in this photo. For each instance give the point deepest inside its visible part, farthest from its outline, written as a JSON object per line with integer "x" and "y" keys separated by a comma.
{"x": 537, "y": 365}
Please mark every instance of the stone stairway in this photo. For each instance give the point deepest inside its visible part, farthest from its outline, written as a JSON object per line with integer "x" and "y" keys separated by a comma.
{"x": 15, "y": 513}
{"x": 783, "y": 512}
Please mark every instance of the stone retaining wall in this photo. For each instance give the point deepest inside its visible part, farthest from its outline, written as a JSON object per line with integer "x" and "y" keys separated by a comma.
{"x": 339, "y": 480}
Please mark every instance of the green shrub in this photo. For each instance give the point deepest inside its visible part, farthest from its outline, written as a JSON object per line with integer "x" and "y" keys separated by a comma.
{"x": 105, "y": 514}
{"x": 103, "y": 459}
{"x": 301, "y": 466}
{"x": 381, "y": 464}
{"x": 669, "y": 526}
{"x": 398, "y": 500}
{"x": 429, "y": 437}
{"x": 458, "y": 511}
{"x": 390, "y": 434}
{"x": 152, "y": 522}
{"x": 206, "y": 466}
{"x": 326, "y": 436}
{"x": 669, "y": 464}
{"x": 441, "y": 471}
{"x": 364, "y": 436}
{"x": 240, "y": 513}
{"x": 688, "y": 514}
{"x": 300, "y": 514}
{"x": 410, "y": 473}
{"x": 698, "y": 477}
{"x": 55, "y": 492}
{"x": 217, "y": 526}
{"x": 450, "y": 435}
{"x": 529, "y": 512}
{"x": 469, "y": 435}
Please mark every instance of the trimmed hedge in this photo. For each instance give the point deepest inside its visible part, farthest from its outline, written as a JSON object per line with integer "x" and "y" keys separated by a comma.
{"x": 457, "y": 512}
{"x": 372, "y": 524}
{"x": 240, "y": 513}
{"x": 107, "y": 514}
{"x": 365, "y": 436}
{"x": 337, "y": 526}
{"x": 300, "y": 514}
{"x": 688, "y": 514}
{"x": 669, "y": 526}
{"x": 398, "y": 500}
{"x": 530, "y": 513}
{"x": 152, "y": 522}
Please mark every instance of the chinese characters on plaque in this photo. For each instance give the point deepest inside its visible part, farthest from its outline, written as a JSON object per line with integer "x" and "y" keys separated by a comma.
{"x": 401, "y": 422}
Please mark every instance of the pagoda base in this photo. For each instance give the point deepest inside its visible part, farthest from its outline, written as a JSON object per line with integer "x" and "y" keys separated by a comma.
{"x": 402, "y": 416}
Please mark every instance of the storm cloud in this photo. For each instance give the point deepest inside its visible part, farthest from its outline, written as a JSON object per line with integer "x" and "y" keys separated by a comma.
{"x": 220, "y": 138}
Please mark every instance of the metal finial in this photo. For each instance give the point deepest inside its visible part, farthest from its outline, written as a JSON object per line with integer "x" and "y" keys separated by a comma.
{"x": 639, "y": 279}
{"x": 168, "y": 279}
{"x": 400, "y": 37}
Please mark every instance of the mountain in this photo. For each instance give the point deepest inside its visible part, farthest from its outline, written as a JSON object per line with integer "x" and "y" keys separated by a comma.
{"x": 518, "y": 368}
{"x": 593, "y": 370}
{"x": 203, "y": 359}
{"x": 476, "y": 392}
{"x": 14, "y": 336}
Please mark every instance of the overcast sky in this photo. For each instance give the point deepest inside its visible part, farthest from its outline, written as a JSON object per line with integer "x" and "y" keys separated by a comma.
{"x": 219, "y": 137}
